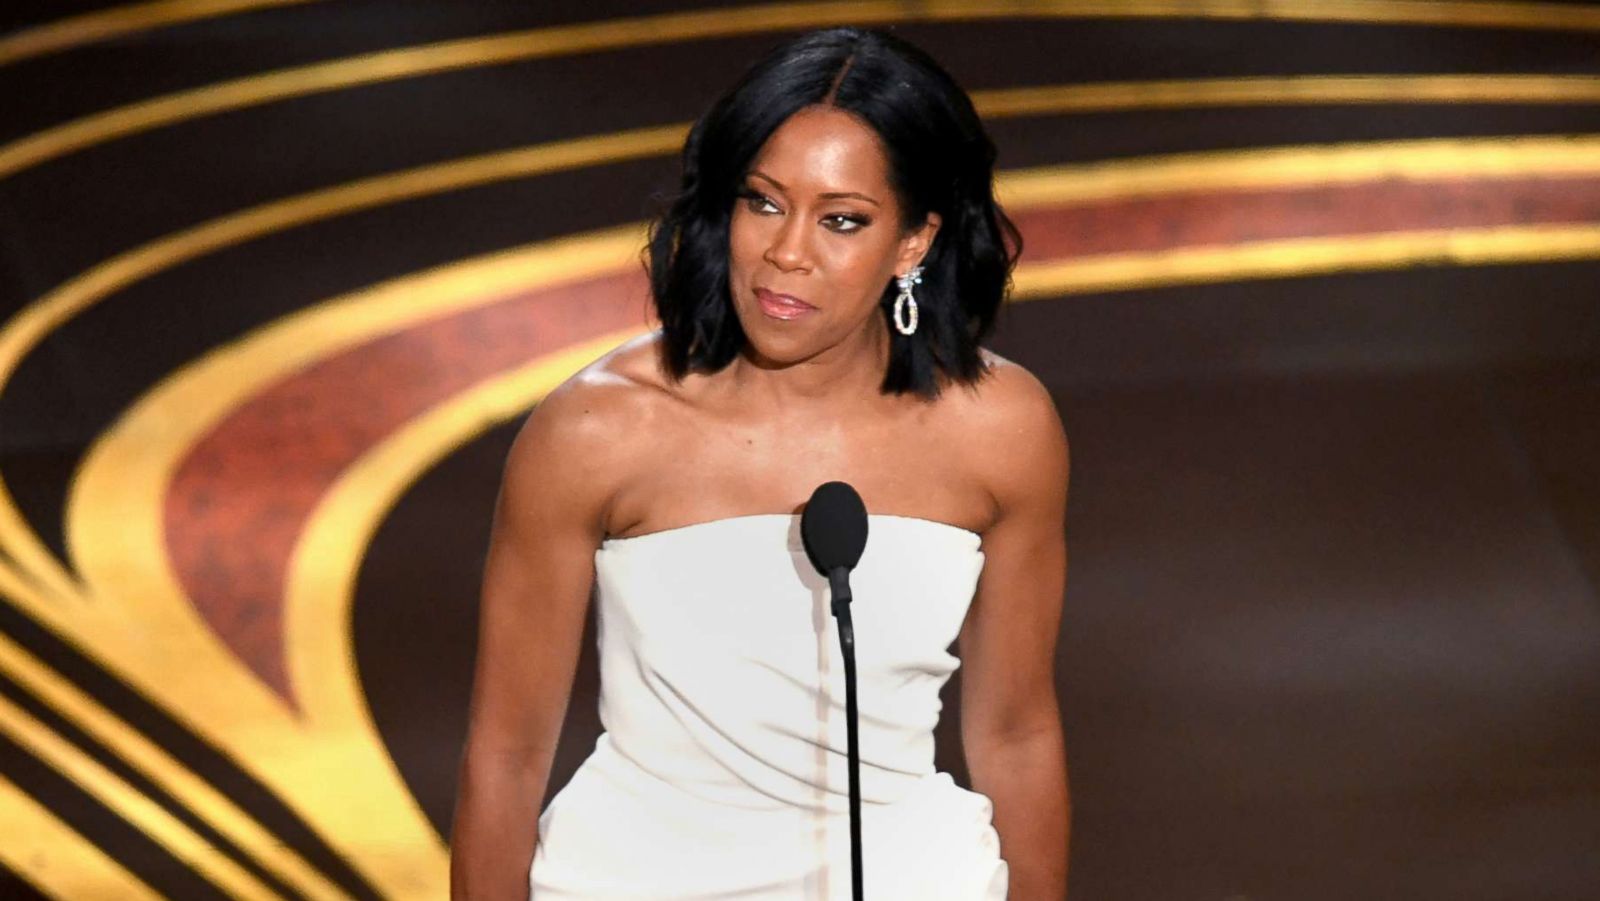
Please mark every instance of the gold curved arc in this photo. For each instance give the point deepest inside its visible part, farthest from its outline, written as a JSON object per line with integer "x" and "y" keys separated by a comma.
{"x": 24, "y": 331}
{"x": 322, "y": 576}
{"x": 444, "y": 56}
{"x": 1299, "y": 165}
{"x": 119, "y": 21}
{"x": 161, "y": 768}
{"x": 1319, "y": 90}
{"x": 56, "y": 860}
{"x": 1307, "y": 256}
{"x": 114, "y": 516}
{"x": 120, "y": 797}
{"x": 328, "y": 552}
{"x": 14, "y": 585}
{"x": 28, "y": 327}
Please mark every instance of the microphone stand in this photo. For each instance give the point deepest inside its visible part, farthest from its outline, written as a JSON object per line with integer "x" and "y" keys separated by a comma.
{"x": 839, "y": 580}
{"x": 833, "y": 528}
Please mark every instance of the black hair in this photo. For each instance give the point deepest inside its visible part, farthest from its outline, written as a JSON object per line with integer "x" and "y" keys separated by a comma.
{"x": 940, "y": 159}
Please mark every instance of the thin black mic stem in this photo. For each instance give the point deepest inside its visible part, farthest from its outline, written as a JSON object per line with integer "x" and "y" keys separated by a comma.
{"x": 847, "y": 645}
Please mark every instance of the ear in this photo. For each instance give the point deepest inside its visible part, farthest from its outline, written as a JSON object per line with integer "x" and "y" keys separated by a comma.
{"x": 914, "y": 246}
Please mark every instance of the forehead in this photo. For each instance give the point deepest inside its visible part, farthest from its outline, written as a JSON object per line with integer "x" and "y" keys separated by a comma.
{"x": 825, "y": 149}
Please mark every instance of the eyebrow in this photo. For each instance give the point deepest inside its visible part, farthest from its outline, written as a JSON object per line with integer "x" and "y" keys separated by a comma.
{"x": 779, "y": 185}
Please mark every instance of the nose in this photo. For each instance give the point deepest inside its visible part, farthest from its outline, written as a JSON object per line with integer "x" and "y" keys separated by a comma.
{"x": 788, "y": 249}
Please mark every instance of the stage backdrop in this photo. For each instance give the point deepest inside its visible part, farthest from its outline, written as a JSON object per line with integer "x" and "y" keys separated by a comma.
{"x": 1314, "y": 285}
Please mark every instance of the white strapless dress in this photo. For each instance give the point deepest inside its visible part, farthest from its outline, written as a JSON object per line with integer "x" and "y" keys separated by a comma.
{"x": 722, "y": 770}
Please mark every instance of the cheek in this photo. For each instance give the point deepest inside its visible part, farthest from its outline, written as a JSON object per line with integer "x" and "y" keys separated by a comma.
{"x": 745, "y": 243}
{"x": 858, "y": 261}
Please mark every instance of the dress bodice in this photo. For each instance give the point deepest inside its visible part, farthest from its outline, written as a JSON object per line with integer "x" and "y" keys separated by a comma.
{"x": 721, "y": 671}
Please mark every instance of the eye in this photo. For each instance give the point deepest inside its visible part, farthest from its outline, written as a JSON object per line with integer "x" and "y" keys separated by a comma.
{"x": 754, "y": 200}
{"x": 848, "y": 223}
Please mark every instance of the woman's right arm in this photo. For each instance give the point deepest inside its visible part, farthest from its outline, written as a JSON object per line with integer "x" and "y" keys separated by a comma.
{"x": 538, "y": 572}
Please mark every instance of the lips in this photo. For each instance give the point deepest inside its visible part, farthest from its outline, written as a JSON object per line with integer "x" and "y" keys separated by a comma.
{"x": 782, "y": 306}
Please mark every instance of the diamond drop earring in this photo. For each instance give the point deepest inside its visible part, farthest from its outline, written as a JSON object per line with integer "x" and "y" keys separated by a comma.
{"x": 905, "y": 301}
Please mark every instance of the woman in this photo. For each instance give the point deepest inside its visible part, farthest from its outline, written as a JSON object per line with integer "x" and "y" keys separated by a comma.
{"x": 823, "y": 281}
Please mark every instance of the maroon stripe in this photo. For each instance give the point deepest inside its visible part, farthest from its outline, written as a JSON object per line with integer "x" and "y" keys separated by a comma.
{"x": 1212, "y": 218}
{"x": 241, "y": 497}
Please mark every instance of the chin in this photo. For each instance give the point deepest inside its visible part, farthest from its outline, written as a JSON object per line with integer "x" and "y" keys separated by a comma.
{"x": 774, "y": 341}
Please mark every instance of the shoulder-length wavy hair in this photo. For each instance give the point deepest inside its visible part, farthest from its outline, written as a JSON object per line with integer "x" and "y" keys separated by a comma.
{"x": 940, "y": 159}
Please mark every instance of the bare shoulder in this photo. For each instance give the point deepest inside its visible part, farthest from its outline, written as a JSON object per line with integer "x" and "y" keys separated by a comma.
{"x": 1007, "y": 404}
{"x": 1015, "y": 441}
{"x": 583, "y": 439}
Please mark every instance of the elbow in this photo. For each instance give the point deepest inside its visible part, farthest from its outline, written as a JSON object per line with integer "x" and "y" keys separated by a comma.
{"x": 1030, "y": 731}
{"x": 1034, "y": 716}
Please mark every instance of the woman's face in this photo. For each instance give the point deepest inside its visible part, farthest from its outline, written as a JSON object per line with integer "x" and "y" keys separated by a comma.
{"x": 816, "y": 220}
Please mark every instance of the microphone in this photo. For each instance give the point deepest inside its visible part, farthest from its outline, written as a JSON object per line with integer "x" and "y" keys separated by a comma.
{"x": 833, "y": 528}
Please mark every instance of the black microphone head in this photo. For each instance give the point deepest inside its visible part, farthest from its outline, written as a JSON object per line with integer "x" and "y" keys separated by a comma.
{"x": 833, "y": 527}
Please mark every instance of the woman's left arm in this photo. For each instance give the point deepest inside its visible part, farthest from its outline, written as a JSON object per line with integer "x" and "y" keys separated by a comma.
{"x": 1010, "y": 717}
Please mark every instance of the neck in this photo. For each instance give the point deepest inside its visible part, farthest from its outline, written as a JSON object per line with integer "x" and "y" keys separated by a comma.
{"x": 853, "y": 368}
